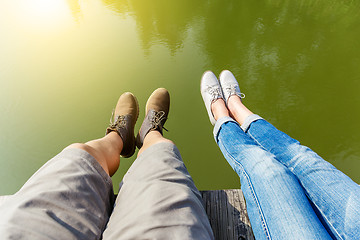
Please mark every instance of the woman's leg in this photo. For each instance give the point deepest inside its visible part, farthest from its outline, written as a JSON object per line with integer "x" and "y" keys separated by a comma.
{"x": 335, "y": 195}
{"x": 277, "y": 205}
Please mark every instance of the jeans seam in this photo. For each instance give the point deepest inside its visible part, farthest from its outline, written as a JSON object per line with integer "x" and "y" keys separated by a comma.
{"x": 327, "y": 220}
{"x": 257, "y": 142}
{"x": 262, "y": 217}
{"x": 331, "y": 226}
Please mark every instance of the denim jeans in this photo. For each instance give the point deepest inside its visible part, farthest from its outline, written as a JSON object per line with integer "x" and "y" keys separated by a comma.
{"x": 290, "y": 191}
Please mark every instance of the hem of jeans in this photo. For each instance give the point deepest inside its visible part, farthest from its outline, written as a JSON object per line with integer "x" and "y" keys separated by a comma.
{"x": 219, "y": 123}
{"x": 250, "y": 119}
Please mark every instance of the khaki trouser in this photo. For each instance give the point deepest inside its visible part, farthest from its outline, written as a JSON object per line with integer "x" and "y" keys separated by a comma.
{"x": 71, "y": 197}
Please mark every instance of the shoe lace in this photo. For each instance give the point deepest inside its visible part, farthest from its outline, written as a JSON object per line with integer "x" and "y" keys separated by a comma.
{"x": 119, "y": 121}
{"x": 232, "y": 90}
{"x": 215, "y": 92}
{"x": 157, "y": 118}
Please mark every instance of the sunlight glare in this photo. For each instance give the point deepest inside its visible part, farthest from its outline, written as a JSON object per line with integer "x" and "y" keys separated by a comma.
{"x": 44, "y": 13}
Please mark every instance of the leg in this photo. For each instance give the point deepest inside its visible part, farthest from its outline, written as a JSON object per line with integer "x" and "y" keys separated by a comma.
{"x": 153, "y": 137}
{"x": 70, "y": 196}
{"x": 336, "y": 196}
{"x": 105, "y": 150}
{"x": 276, "y": 203}
{"x": 158, "y": 198}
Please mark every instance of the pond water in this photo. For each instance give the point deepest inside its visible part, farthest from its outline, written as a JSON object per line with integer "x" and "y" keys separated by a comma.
{"x": 64, "y": 63}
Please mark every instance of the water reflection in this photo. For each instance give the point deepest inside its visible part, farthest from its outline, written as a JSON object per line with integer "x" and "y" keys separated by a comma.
{"x": 291, "y": 56}
{"x": 64, "y": 61}
{"x": 75, "y": 8}
{"x": 279, "y": 43}
{"x": 165, "y": 22}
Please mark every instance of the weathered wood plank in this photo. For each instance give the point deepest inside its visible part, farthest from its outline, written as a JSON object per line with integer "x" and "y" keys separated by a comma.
{"x": 227, "y": 213}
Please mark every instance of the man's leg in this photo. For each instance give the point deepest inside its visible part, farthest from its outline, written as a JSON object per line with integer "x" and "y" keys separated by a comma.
{"x": 71, "y": 196}
{"x": 158, "y": 198}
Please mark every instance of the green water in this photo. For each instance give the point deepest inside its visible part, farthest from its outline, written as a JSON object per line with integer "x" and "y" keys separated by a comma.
{"x": 64, "y": 63}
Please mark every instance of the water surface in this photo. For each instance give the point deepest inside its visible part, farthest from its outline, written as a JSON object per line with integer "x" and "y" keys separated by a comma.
{"x": 64, "y": 63}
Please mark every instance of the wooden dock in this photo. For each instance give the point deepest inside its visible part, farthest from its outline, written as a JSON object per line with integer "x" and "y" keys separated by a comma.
{"x": 227, "y": 213}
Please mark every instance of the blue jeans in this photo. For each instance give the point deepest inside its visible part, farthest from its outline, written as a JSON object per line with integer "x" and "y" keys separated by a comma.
{"x": 290, "y": 191}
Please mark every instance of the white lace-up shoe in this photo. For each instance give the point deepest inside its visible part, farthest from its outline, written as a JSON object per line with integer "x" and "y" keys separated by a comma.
{"x": 229, "y": 85}
{"x": 210, "y": 90}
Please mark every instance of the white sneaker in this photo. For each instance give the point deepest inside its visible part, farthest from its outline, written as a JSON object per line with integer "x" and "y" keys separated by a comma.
{"x": 229, "y": 85}
{"x": 210, "y": 90}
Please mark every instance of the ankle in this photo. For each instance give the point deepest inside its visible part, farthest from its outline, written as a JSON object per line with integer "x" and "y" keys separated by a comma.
{"x": 234, "y": 102}
{"x": 237, "y": 109}
{"x": 112, "y": 142}
{"x": 219, "y": 109}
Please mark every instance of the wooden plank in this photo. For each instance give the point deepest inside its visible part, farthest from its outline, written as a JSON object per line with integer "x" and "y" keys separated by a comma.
{"x": 227, "y": 214}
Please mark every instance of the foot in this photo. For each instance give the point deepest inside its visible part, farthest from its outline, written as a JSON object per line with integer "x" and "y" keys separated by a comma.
{"x": 123, "y": 122}
{"x": 229, "y": 85}
{"x": 211, "y": 91}
{"x": 157, "y": 110}
{"x": 233, "y": 97}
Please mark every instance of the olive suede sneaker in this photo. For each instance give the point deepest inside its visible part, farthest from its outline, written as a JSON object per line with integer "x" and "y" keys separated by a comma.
{"x": 210, "y": 91}
{"x": 229, "y": 85}
{"x": 123, "y": 122}
{"x": 157, "y": 110}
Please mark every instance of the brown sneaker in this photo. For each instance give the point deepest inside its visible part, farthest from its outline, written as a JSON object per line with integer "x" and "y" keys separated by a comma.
{"x": 123, "y": 122}
{"x": 157, "y": 110}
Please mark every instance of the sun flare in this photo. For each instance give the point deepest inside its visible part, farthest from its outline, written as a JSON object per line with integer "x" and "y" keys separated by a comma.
{"x": 44, "y": 13}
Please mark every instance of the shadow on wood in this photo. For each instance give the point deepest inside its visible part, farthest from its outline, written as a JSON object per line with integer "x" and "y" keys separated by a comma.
{"x": 227, "y": 213}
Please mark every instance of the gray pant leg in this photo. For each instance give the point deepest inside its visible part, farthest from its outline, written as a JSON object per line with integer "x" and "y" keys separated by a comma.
{"x": 70, "y": 197}
{"x": 158, "y": 200}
